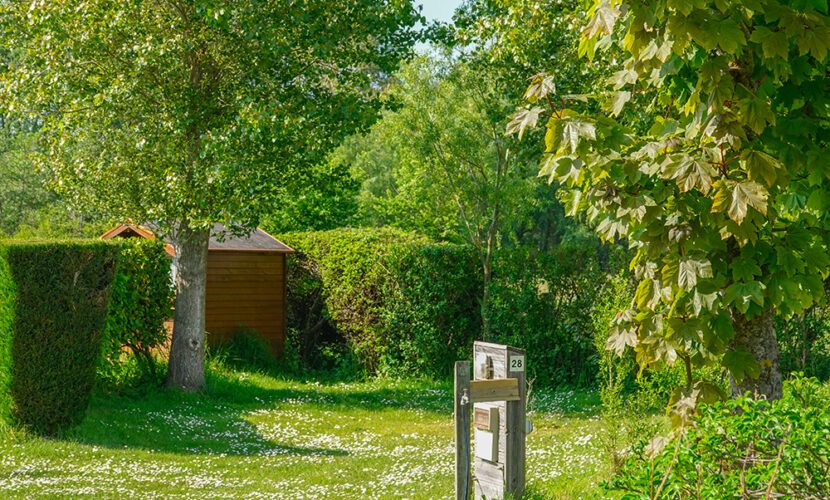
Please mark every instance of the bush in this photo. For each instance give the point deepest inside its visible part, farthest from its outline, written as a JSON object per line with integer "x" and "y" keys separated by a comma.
{"x": 405, "y": 306}
{"x": 804, "y": 342}
{"x": 744, "y": 447}
{"x": 53, "y": 308}
{"x": 141, "y": 300}
{"x": 543, "y": 303}
{"x": 335, "y": 284}
{"x": 616, "y": 374}
{"x": 430, "y": 315}
{"x": 248, "y": 349}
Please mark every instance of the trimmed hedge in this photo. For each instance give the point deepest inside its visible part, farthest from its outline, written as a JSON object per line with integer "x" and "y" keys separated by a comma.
{"x": 336, "y": 281}
{"x": 53, "y": 306}
{"x": 142, "y": 299}
{"x": 431, "y": 313}
{"x": 406, "y": 306}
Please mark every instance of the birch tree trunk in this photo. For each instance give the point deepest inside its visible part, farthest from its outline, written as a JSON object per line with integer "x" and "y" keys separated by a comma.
{"x": 187, "y": 353}
{"x": 757, "y": 336}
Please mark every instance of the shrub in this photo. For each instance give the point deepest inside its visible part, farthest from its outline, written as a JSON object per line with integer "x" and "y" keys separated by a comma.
{"x": 430, "y": 313}
{"x": 53, "y": 307}
{"x": 141, "y": 300}
{"x": 616, "y": 374}
{"x": 408, "y": 306}
{"x": 247, "y": 348}
{"x": 804, "y": 342}
{"x": 543, "y": 303}
{"x": 744, "y": 447}
{"x": 335, "y": 288}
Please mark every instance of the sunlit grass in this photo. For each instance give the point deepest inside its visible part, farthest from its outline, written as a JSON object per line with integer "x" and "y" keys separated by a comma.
{"x": 254, "y": 435}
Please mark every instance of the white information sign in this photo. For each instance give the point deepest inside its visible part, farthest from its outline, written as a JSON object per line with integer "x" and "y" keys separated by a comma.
{"x": 517, "y": 364}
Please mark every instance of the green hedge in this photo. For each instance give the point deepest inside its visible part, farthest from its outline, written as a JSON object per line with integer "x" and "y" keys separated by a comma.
{"x": 335, "y": 285}
{"x": 142, "y": 299}
{"x": 431, "y": 313}
{"x": 543, "y": 303}
{"x": 53, "y": 306}
{"x": 406, "y": 306}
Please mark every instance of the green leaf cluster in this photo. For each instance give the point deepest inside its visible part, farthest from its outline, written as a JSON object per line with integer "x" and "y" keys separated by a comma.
{"x": 194, "y": 112}
{"x": 404, "y": 305}
{"x": 141, "y": 301}
{"x": 749, "y": 447}
{"x": 710, "y": 166}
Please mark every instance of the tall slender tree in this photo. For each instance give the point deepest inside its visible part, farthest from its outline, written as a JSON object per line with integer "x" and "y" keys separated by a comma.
{"x": 190, "y": 112}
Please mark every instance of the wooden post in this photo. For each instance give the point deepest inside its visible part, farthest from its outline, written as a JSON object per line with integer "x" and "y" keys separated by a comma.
{"x": 514, "y": 462}
{"x": 463, "y": 470}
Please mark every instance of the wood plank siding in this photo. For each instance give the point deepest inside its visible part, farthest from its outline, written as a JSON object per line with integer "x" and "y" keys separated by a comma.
{"x": 246, "y": 290}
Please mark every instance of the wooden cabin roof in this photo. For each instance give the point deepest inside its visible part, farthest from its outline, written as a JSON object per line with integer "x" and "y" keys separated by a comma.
{"x": 221, "y": 239}
{"x": 257, "y": 241}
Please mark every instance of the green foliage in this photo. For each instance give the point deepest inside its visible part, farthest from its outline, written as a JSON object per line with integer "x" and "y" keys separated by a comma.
{"x": 544, "y": 303}
{"x": 430, "y": 314}
{"x": 615, "y": 372}
{"x": 805, "y": 342}
{"x": 515, "y": 39}
{"x": 141, "y": 301}
{"x": 439, "y": 163}
{"x": 406, "y": 306}
{"x": 339, "y": 276}
{"x": 708, "y": 162}
{"x": 28, "y": 209}
{"x": 194, "y": 112}
{"x": 248, "y": 349}
{"x": 320, "y": 197}
{"x": 52, "y": 316}
{"x": 747, "y": 447}
{"x": 21, "y": 188}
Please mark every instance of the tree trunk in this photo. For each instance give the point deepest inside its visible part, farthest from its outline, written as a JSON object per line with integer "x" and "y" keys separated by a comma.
{"x": 757, "y": 336}
{"x": 485, "y": 304}
{"x": 187, "y": 353}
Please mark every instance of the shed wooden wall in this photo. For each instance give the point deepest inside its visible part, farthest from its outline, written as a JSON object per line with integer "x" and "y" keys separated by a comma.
{"x": 246, "y": 290}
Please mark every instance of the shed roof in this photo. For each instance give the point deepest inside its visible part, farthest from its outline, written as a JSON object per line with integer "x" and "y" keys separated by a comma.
{"x": 221, "y": 239}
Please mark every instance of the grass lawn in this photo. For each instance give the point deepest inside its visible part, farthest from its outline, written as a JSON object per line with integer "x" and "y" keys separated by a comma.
{"x": 257, "y": 436}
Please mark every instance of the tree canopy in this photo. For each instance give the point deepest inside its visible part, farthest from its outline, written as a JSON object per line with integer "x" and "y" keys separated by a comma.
{"x": 195, "y": 111}
{"x": 188, "y": 113}
{"x": 709, "y": 160}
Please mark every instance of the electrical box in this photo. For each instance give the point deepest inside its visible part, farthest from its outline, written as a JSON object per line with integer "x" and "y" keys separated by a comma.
{"x": 486, "y": 431}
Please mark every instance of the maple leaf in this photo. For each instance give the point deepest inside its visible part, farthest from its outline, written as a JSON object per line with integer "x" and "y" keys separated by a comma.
{"x": 740, "y": 196}
{"x": 616, "y": 101}
{"x": 620, "y": 338}
{"x": 522, "y": 120}
{"x": 689, "y": 270}
{"x": 540, "y": 86}
{"x": 573, "y": 130}
{"x": 690, "y": 173}
{"x": 741, "y": 364}
{"x": 761, "y": 167}
{"x": 605, "y": 16}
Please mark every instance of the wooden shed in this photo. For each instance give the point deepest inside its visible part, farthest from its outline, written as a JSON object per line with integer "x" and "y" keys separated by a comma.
{"x": 245, "y": 282}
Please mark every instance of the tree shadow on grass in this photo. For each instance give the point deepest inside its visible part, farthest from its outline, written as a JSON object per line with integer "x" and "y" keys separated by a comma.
{"x": 221, "y": 419}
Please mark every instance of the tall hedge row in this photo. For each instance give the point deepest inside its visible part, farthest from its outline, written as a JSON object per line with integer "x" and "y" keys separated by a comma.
{"x": 53, "y": 307}
{"x": 543, "y": 302}
{"x": 141, "y": 300}
{"x": 408, "y": 306}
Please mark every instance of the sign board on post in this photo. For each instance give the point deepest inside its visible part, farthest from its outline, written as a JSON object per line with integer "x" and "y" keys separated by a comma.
{"x": 497, "y": 404}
